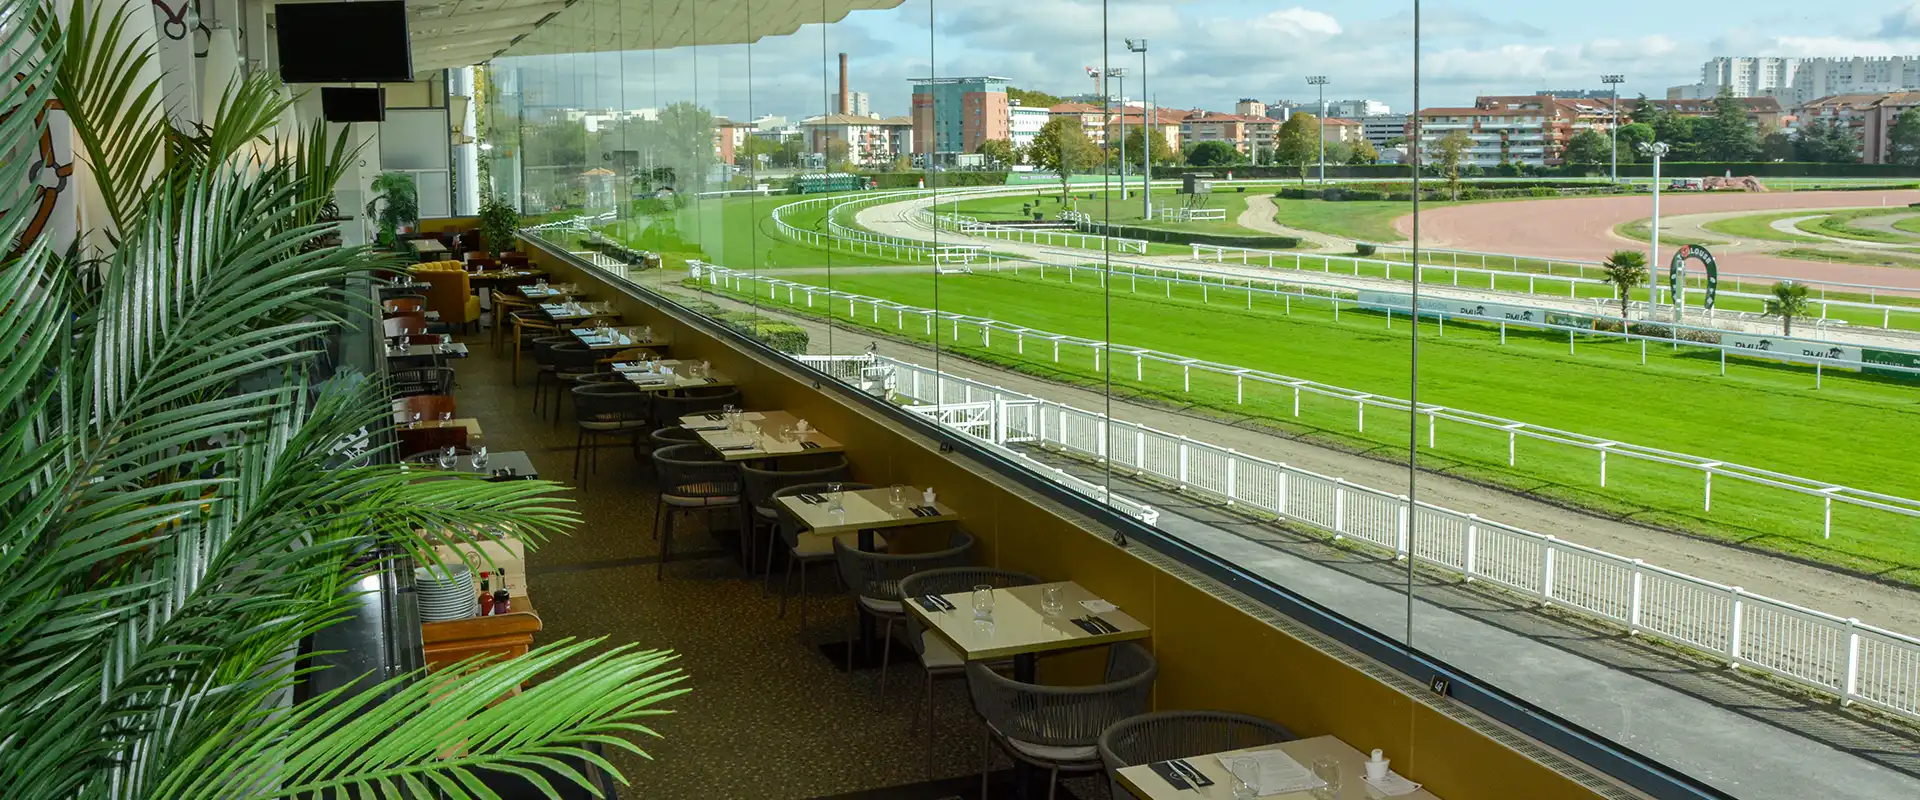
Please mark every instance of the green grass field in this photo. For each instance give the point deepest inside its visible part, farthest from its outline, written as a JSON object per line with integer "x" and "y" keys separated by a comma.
{"x": 737, "y": 232}
{"x": 1366, "y": 220}
{"x": 1761, "y": 415}
{"x": 1876, "y": 258}
{"x": 1836, "y": 224}
{"x": 1642, "y": 230}
{"x": 1908, "y": 224}
{"x": 1758, "y": 226}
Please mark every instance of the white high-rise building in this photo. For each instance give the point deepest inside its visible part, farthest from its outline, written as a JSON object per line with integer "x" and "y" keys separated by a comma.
{"x": 1355, "y": 109}
{"x": 1797, "y": 81}
{"x": 1024, "y": 122}
{"x": 856, "y": 104}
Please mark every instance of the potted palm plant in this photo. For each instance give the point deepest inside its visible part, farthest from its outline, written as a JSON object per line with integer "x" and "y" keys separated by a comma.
{"x": 498, "y": 220}
{"x": 174, "y": 517}
{"x": 401, "y": 208}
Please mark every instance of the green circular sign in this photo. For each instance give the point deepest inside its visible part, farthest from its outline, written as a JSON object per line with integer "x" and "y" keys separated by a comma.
{"x": 1677, "y": 270}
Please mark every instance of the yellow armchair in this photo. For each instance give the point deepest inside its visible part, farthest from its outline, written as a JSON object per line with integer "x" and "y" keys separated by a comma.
{"x": 450, "y": 292}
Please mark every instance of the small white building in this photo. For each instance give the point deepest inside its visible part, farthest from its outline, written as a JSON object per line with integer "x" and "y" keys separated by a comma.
{"x": 1024, "y": 122}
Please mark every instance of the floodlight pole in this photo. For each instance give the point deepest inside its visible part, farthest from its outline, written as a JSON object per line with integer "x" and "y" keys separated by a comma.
{"x": 1321, "y": 82}
{"x": 1120, "y": 74}
{"x": 1146, "y": 131}
{"x": 1658, "y": 150}
{"x": 1614, "y": 128}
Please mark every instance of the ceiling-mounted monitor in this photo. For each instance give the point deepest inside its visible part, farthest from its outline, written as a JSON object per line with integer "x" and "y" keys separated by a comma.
{"x": 343, "y": 104}
{"x": 357, "y": 42}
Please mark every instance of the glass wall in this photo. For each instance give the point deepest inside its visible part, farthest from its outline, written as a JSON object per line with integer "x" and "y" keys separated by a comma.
{"x": 1468, "y": 410}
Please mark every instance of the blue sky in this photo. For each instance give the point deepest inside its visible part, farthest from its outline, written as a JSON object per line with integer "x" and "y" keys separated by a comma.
{"x": 1207, "y": 53}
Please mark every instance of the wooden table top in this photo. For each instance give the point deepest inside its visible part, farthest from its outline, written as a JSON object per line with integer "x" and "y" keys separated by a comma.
{"x": 427, "y": 246}
{"x": 515, "y": 460}
{"x": 632, "y": 332}
{"x": 472, "y": 425}
{"x": 559, "y": 312}
{"x": 677, "y": 380}
{"x": 454, "y": 350}
{"x": 710, "y": 429}
{"x": 537, "y": 293}
{"x": 1146, "y": 784}
{"x": 865, "y": 510}
{"x": 1019, "y": 626}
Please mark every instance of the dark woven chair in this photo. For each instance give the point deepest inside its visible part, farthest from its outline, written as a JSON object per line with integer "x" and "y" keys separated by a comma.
{"x": 672, "y": 435}
{"x": 1163, "y": 735}
{"x": 762, "y": 483}
{"x": 873, "y": 579}
{"x": 605, "y": 409}
{"x": 669, "y": 410}
{"x": 544, "y": 361}
{"x": 1057, "y": 728}
{"x": 421, "y": 380}
{"x": 572, "y": 360}
{"x": 790, "y": 529}
{"x": 691, "y": 478}
{"x": 938, "y": 658}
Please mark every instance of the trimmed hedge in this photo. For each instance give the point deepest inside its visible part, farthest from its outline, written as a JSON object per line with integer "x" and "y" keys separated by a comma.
{"x": 1190, "y": 237}
{"x": 909, "y": 180}
{"x": 785, "y": 337}
{"x": 1758, "y": 169}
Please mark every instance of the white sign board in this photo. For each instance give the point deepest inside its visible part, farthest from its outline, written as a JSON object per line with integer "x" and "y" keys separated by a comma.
{"x": 1778, "y": 348}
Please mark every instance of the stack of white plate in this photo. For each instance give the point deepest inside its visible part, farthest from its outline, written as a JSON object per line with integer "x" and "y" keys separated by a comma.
{"x": 446, "y": 594}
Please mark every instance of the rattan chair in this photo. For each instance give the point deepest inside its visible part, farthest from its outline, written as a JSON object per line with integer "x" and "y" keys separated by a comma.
{"x": 873, "y": 580}
{"x": 543, "y": 360}
{"x": 1164, "y": 735}
{"x": 604, "y": 409}
{"x": 790, "y": 529}
{"x": 504, "y": 307}
{"x": 762, "y": 483}
{"x": 673, "y": 435}
{"x": 572, "y": 360}
{"x": 691, "y": 478}
{"x": 938, "y": 658}
{"x": 669, "y": 410}
{"x": 526, "y": 325}
{"x": 421, "y": 380}
{"x": 1058, "y": 727}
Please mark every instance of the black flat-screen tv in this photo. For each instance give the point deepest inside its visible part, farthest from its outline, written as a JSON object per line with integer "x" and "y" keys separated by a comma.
{"x": 358, "y": 42}
{"x": 342, "y": 104}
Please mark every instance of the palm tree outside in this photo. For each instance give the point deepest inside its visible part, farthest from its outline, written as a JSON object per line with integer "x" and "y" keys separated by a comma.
{"x": 1786, "y": 301}
{"x": 1625, "y": 270}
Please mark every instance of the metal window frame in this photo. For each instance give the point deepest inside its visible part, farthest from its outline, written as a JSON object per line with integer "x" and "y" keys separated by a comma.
{"x": 1625, "y": 765}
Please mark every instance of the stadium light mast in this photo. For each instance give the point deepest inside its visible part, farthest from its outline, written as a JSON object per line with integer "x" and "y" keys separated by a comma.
{"x": 1657, "y": 150}
{"x": 1146, "y": 131}
{"x": 1614, "y": 82}
{"x": 1120, "y": 93}
{"x": 1321, "y": 82}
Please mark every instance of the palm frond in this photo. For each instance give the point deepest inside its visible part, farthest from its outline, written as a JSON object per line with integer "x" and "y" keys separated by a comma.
{"x": 116, "y": 114}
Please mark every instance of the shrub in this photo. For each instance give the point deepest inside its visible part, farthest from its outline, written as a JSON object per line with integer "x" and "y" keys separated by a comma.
{"x": 1365, "y": 250}
{"x": 1543, "y": 191}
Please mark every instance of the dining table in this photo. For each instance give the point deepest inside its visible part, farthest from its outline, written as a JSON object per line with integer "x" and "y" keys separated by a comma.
{"x": 430, "y": 350}
{"x": 759, "y": 437}
{"x": 619, "y": 337}
{"x": 1156, "y": 781}
{"x": 564, "y": 312}
{"x": 501, "y": 465}
{"x": 427, "y": 247}
{"x": 471, "y": 424}
{"x": 668, "y": 375}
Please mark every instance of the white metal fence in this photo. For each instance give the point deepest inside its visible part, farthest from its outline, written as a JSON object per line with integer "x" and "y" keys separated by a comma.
{"x": 1844, "y": 657}
{"x": 971, "y": 226}
{"x": 874, "y": 310}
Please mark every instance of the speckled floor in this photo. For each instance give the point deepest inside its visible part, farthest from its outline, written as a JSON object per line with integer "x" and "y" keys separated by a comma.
{"x": 768, "y": 716}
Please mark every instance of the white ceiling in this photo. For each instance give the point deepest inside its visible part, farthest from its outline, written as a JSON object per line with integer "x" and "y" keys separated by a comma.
{"x": 458, "y": 33}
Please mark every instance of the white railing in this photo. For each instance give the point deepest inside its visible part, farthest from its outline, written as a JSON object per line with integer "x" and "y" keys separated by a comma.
{"x": 932, "y": 218}
{"x": 1855, "y": 661}
{"x": 858, "y": 306}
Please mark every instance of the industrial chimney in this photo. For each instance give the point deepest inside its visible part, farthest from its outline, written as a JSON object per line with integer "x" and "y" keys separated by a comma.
{"x": 845, "y": 100}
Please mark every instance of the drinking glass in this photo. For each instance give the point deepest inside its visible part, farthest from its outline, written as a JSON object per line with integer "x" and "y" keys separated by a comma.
{"x": 446, "y": 416}
{"x": 448, "y": 458}
{"x": 405, "y": 342}
{"x": 836, "y": 503}
{"x": 983, "y": 602}
{"x": 786, "y": 435}
{"x": 416, "y": 417}
{"x": 1051, "y": 603}
{"x": 480, "y": 458}
{"x": 1327, "y": 769}
{"x": 897, "y": 495}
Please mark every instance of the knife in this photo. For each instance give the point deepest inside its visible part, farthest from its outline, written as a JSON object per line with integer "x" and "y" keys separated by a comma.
{"x": 1193, "y": 775}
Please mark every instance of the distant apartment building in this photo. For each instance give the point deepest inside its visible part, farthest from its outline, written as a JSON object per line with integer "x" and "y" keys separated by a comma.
{"x": 1384, "y": 128}
{"x": 954, "y": 115}
{"x": 1355, "y": 109}
{"x": 1761, "y": 111}
{"x": 1250, "y": 135}
{"x": 728, "y": 136}
{"x": 1283, "y": 109}
{"x": 1334, "y": 130}
{"x": 1249, "y": 107}
{"x": 1579, "y": 94}
{"x": 870, "y": 141}
{"x": 856, "y": 104}
{"x": 1024, "y": 122}
{"x": 1869, "y": 116}
{"x": 1530, "y": 130}
{"x": 595, "y": 120}
{"x": 1797, "y": 81}
{"x": 1091, "y": 117}
{"x": 1163, "y": 122}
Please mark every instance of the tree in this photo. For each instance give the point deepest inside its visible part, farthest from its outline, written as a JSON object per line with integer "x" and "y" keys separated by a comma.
{"x": 1679, "y": 134}
{"x": 1631, "y": 136}
{"x": 1644, "y": 111}
{"x": 1298, "y": 142}
{"x": 1826, "y": 141}
{"x": 1363, "y": 153}
{"x": 1213, "y": 153}
{"x": 1062, "y": 147}
{"x": 1729, "y": 134}
{"x": 1903, "y": 139}
{"x": 192, "y": 488}
{"x": 999, "y": 152}
{"x": 684, "y": 137}
{"x": 1032, "y": 98}
{"x": 1587, "y": 148}
{"x": 1447, "y": 154}
{"x": 1137, "y": 143}
{"x": 1507, "y": 169}
{"x": 1776, "y": 145}
{"x": 1625, "y": 269}
{"x": 1788, "y": 300}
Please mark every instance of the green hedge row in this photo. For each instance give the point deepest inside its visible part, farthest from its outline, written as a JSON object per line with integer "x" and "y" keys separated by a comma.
{"x": 1758, "y": 169}
{"x": 909, "y": 180}
{"x": 785, "y": 337}
{"x": 1191, "y": 237}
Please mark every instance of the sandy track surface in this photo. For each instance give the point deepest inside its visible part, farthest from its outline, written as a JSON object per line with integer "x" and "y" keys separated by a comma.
{"x": 1812, "y": 586}
{"x": 1582, "y": 228}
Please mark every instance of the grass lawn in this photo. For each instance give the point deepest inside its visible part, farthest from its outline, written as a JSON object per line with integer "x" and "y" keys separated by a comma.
{"x": 1874, "y": 258}
{"x": 1909, "y": 224}
{"x": 1642, "y": 230}
{"x": 1758, "y": 226}
{"x": 1366, "y": 220}
{"x": 736, "y": 232}
{"x": 1761, "y": 415}
{"x": 1836, "y": 224}
{"x": 1107, "y": 205}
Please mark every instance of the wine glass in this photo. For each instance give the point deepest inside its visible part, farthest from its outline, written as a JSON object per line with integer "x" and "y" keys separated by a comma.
{"x": 480, "y": 458}
{"x": 785, "y": 436}
{"x": 897, "y": 495}
{"x": 836, "y": 502}
{"x": 983, "y": 602}
{"x": 406, "y": 342}
{"x": 416, "y": 418}
{"x": 449, "y": 457}
{"x": 1051, "y": 602}
{"x": 446, "y": 416}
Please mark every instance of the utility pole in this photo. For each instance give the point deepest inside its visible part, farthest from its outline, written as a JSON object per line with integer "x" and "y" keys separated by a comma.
{"x": 1658, "y": 150}
{"x": 1614, "y": 81}
{"x": 1120, "y": 94}
{"x": 1146, "y": 131}
{"x": 1320, "y": 81}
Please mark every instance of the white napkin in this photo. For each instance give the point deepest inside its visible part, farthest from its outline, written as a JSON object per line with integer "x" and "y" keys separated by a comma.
{"x": 1393, "y": 785}
{"x": 1098, "y": 606}
{"x": 1274, "y": 772}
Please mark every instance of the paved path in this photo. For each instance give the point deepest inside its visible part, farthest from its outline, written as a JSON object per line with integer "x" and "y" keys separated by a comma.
{"x": 1262, "y": 215}
{"x": 1812, "y": 586}
{"x": 1884, "y": 224}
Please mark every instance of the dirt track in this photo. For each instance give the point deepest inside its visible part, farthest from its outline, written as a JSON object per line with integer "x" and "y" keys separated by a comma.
{"x": 1582, "y": 228}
